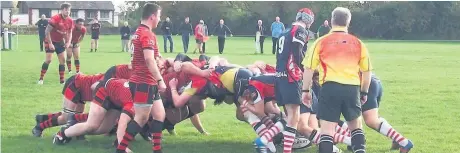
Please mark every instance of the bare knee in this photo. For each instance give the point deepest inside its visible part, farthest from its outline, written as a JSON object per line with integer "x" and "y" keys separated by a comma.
{"x": 372, "y": 122}
{"x": 91, "y": 128}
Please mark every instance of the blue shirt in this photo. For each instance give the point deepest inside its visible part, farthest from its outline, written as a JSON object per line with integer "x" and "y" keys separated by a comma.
{"x": 277, "y": 29}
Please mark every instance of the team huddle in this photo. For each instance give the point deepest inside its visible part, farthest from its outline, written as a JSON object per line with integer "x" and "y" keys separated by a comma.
{"x": 154, "y": 93}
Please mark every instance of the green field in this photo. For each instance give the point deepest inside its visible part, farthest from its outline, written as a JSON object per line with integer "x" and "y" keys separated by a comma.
{"x": 421, "y": 100}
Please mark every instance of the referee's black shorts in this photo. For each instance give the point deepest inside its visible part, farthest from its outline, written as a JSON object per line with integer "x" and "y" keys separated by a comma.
{"x": 336, "y": 99}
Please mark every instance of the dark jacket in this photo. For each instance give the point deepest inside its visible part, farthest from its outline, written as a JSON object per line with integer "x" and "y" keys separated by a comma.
{"x": 186, "y": 29}
{"x": 262, "y": 30}
{"x": 166, "y": 27}
{"x": 42, "y": 26}
{"x": 221, "y": 31}
{"x": 125, "y": 32}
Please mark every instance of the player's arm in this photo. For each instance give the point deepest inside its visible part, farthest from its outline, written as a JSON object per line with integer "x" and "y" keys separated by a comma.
{"x": 310, "y": 63}
{"x": 189, "y": 68}
{"x": 48, "y": 29}
{"x": 366, "y": 68}
{"x": 69, "y": 35}
{"x": 191, "y": 89}
{"x": 82, "y": 36}
{"x": 148, "y": 49}
{"x": 228, "y": 30}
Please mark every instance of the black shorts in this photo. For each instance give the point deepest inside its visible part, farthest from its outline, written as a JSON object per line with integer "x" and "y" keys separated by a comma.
{"x": 198, "y": 41}
{"x": 374, "y": 95}
{"x": 59, "y": 47}
{"x": 314, "y": 105}
{"x": 143, "y": 93}
{"x": 95, "y": 36}
{"x": 336, "y": 99}
{"x": 74, "y": 45}
{"x": 287, "y": 92}
{"x": 71, "y": 92}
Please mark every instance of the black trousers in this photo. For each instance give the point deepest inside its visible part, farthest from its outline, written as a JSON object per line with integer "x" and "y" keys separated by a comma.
{"x": 221, "y": 41}
{"x": 204, "y": 47}
{"x": 42, "y": 38}
{"x": 275, "y": 45}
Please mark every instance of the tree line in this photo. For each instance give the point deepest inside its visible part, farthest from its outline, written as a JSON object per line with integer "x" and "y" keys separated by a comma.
{"x": 430, "y": 20}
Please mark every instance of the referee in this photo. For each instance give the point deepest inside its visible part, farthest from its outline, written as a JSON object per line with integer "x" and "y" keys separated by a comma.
{"x": 342, "y": 57}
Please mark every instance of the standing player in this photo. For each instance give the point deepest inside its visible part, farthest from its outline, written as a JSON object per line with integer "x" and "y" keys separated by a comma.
{"x": 78, "y": 34}
{"x": 288, "y": 79}
{"x": 95, "y": 27}
{"x": 146, "y": 81}
{"x": 58, "y": 35}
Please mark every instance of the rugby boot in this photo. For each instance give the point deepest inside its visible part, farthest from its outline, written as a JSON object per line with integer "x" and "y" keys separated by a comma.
{"x": 59, "y": 138}
{"x": 394, "y": 146}
{"x": 260, "y": 147}
{"x": 406, "y": 148}
{"x": 37, "y": 132}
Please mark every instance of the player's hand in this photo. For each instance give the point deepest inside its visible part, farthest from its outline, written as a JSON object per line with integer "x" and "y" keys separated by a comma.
{"x": 306, "y": 99}
{"x": 363, "y": 98}
{"x": 161, "y": 86}
{"x": 208, "y": 72}
{"x": 51, "y": 46}
{"x": 67, "y": 45}
{"x": 173, "y": 83}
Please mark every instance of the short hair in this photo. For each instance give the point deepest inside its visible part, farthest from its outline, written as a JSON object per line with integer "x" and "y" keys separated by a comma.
{"x": 65, "y": 6}
{"x": 341, "y": 16}
{"x": 79, "y": 20}
{"x": 149, "y": 9}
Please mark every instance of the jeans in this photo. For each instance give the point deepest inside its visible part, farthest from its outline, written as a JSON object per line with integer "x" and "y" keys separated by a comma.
{"x": 185, "y": 42}
{"x": 124, "y": 45}
{"x": 171, "y": 44}
{"x": 221, "y": 43}
{"x": 275, "y": 45}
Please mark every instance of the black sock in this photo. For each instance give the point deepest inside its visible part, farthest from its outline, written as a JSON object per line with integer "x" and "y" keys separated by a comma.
{"x": 358, "y": 141}
{"x": 156, "y": 129}
{"x": 131, "y": 130}
{"x": 326, "y": 144}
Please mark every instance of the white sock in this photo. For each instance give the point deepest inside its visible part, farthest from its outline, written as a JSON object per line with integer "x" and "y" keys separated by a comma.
{"x": 387, "y": 130}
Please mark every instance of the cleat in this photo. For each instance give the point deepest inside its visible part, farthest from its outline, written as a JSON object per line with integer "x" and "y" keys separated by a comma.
{"x": 406, "y": 148}
{"x": 172, "y": 132}
{"x": 37, "y": 132}
{"x": 59, "y": 140}
{"x": 62, "y": 82}
{"x": 394, "y": 146}
{"x": 271, "y": 147}
{"x": 260, "y": 146}
{"x": 40, "y": 82}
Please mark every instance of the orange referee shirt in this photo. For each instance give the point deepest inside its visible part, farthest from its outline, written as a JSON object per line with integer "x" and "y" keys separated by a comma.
{"x": 340, "y": 57}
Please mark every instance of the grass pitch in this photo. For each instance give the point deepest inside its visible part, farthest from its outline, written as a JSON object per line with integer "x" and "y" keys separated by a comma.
{"x": 421, "y": 83}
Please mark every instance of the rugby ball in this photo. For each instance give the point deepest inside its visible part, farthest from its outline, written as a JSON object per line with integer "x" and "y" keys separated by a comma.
{"x": 301, "y": 142}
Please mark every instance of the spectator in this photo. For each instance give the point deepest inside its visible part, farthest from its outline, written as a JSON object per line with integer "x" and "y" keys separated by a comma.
{"x": 186, "y": 30}
{"x": 42, "y": 23}
{"x": 205, "y": 29}
{"x": 277, "y": 28}
{"x": 221, "y": 31}
{"x": 125, "y": 35}
{"x": 95, "y": 31}
{"x": 167, "y": 32}
{"x": 260, "y": 32}
{"x": 199, "y": 37}
{"x": 323, "y": 29}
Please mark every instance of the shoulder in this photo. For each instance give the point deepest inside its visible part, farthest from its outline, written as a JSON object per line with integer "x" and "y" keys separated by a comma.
{"x": 55, "y": 18}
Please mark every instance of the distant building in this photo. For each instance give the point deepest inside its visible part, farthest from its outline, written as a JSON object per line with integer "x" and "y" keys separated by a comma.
{"x": 6, "y": 10}
{"x": 88, "y": 10}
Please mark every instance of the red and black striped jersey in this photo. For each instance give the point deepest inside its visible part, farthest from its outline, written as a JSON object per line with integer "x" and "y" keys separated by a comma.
{"x": 83, "y": 84}
{"x": 264, "y": 85}
{"x": 143, "y": 38}
{"x": 118, "y": 92}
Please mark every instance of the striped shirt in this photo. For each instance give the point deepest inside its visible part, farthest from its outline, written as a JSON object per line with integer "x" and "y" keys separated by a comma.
{"x": 143, "y": 39}
{"x": 84, "y": 83}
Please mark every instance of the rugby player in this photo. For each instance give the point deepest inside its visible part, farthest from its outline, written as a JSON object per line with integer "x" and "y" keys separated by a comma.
{"x": 374, "y": 121}
{"x": 78, "y": 34}
{"x": 58, "y": 37}
{"x": 260, "y": 67}
{"x": 288, "y": 79}
{"x": 77, "y": 90}
{"x": 95, "y": 32}
{"x": 146, "y": 81}
{"x": 112, "y": 97}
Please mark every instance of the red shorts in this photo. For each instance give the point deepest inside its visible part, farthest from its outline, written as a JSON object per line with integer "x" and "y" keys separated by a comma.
{"x": 71, "y": 92}
{"x": 144, "y": 93}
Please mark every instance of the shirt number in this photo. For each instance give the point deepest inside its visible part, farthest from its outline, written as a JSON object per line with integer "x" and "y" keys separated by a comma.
{"x": 281, "y": 44}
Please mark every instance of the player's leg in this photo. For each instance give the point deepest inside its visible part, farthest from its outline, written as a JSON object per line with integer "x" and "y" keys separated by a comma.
{"x": 200, "y": 47}
{"x": 171, "y": 43}
{"x": 372, "y": 119}
{"x": 156, "y": 128}
{"x": 261, "y": 41}
{"x": 351, "y": 110}
{"x": 110, "y": 119}
{"x": 76, "y": 57}
{"x": 196, "y": 106}
{"x": 61, "y": 53}
{"x": 69, "y": 52}
{"x": 165, "y": 45}
{"x": 48, "y": 57}
{"x": 123, "y": 123}
{"x": 329, "y": 109}
{"x": 95, "y": 118}
{"x": 96, "y": 43}
{"x": 293, "y": 113}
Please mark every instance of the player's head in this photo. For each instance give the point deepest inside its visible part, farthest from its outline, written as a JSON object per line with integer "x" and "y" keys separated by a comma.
{"x": 187, "y": 19}
{"x": 326, "y": 23}
{"x": 168, "y": 19}
{"x": 65, "y": 9}
{"x": 201, "y": 22}
{"x": 79, "y": 23}
{"x": 259, "y": 22}
{"x": 277, "y": 19}
{"x": 341, "y": 17}
{"x": 305, "y": 15}
{"x": 125, "y": 23}
{"x": 43, "y": 17}
{"x": 221, "y": 21}
{"x": 151, "y": 14}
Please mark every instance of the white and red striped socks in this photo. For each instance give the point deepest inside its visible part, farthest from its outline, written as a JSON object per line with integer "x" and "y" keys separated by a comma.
{"x": 386, "y": 130}
{"x": 289, "y": 136}
{"x": 338, "y": 138}
{"x": 259, "y": 128}
{"x": 271, "y": 132}
{"x": 342, "y": 128}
